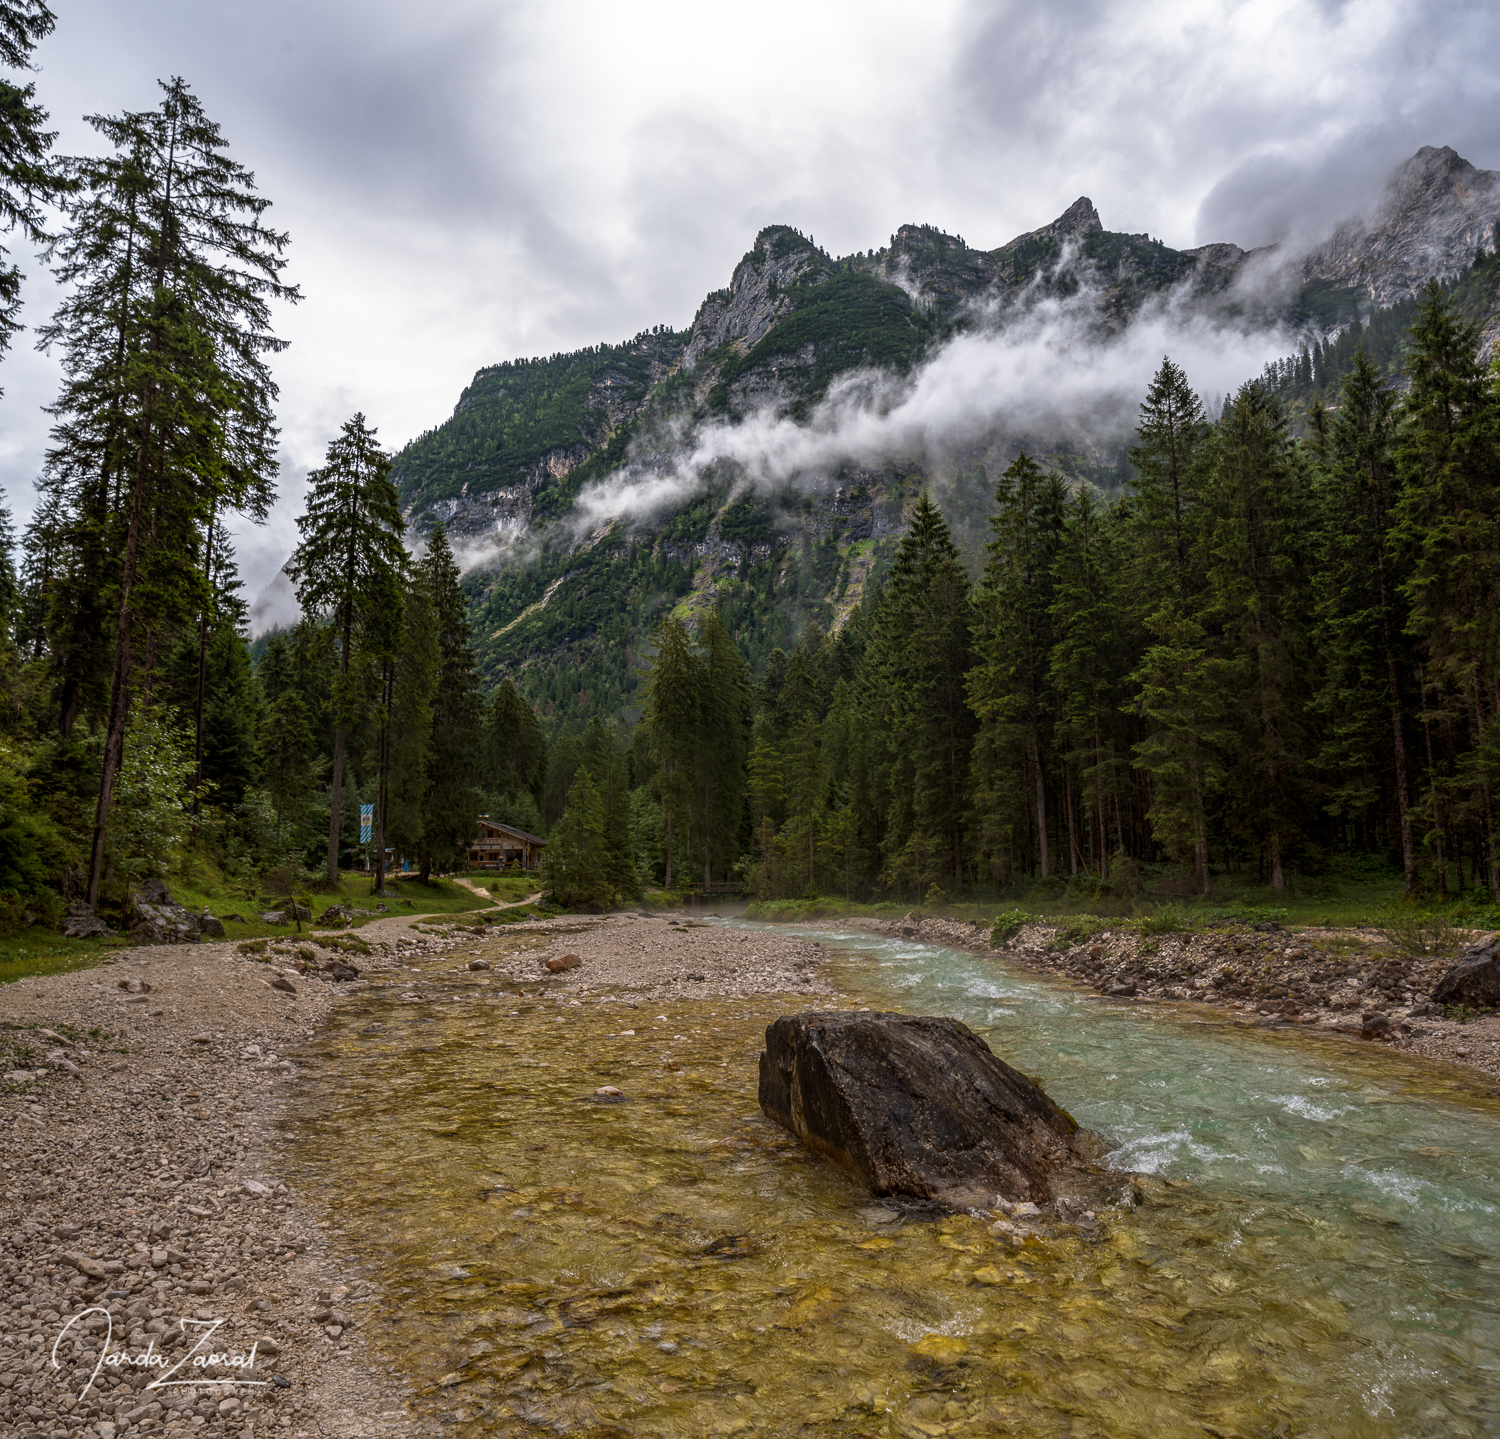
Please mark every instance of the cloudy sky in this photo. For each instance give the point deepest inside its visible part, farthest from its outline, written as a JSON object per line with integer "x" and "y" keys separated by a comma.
{"x": 469, "y": 180}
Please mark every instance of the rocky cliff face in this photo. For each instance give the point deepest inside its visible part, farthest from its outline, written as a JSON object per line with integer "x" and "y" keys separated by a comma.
{"x": 1436, "y": 212}
{"x": 755, "y": 299}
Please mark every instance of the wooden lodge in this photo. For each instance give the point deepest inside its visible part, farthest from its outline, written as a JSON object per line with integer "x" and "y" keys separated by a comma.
{"x": 503, "y": 846}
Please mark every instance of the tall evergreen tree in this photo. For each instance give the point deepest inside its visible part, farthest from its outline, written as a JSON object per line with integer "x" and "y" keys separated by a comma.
{"x": 1260, "y": 600}
{"x": 1176, "y": 687}
{"x": 415, "y": 662}
{"x": 27, "y": 177}
{"x": 1448, "y": 523}
{"x": 350, "y": 566}
{"x": 1009, "y": 687}
{"x": 454, "y": 766}
{"x": 919, "y": 658}
{"x": 515, "y": 748}
{"x": 1362, "y": 699}
{"x": 165, "y": 413}
{"x": 672, "y": 718}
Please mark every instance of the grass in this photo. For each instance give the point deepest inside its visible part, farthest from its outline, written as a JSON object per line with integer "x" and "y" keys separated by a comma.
{"x": 38, "y": 951}
{"x": 512, "y": 888}
{"x": 1354, "y": 894}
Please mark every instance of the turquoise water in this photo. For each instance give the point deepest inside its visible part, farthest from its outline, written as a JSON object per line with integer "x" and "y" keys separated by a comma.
{"x": 1313, "y": 1252}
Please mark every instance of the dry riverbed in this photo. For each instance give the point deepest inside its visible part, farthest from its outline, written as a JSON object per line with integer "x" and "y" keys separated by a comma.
{"x": 144, "y": 1104}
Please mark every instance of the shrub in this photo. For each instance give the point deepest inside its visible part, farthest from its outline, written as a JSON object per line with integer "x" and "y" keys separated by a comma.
{"x": 1413, "y": 932}
{"x": 1169, "y": 919}
{"x": 1008, "y": 925}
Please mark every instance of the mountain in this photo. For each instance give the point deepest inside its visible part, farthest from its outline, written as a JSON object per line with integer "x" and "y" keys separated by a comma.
{"x": 565, "y": 596}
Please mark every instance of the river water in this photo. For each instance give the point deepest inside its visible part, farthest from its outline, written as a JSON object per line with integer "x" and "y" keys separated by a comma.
{"x": 1314, "y": 1251}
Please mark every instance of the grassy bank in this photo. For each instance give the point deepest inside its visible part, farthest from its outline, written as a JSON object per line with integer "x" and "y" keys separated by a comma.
{"x": 1332, "y": 901}
{"x": 38, "y": 951}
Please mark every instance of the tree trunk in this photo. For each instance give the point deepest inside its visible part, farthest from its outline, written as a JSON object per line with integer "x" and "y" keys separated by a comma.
{"x": 1041, "y": 803}
{"x": 333, "y": 821}
{"x": 338, "y": 756}
{"x": 119, "y": 698}
{"x": 208, "y": 569}
{"x": 1200, "y": 824}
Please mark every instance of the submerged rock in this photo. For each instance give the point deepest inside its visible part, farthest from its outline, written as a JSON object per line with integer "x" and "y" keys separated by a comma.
{"x": 1475, "y": 979}
{"x": 916, "y": 1106}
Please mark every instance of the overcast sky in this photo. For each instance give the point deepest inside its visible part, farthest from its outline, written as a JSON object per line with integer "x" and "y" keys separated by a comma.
{"x": 469, "y": 180}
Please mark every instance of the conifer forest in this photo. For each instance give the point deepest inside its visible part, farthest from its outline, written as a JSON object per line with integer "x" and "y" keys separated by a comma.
{"x": 1264, "y": 644}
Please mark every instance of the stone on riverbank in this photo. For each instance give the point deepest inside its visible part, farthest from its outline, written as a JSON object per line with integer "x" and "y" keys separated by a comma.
{"x": 915, "y": 1106}
{"x": 1475, "y": 979}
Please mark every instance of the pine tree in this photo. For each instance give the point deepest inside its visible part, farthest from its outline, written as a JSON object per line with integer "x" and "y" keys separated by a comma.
{"x": 920, "y": 657}
{"x": 27, "y": 178}
{"x": 722, "y": 714}
{"x": 1009, "y": 686}
{"x": 1361, "y": 615}
{"x": 1259, "y": 601}
{"x": 515, "y": 748}
{"x": 351, "y": 566}
{"x": 576, "y": 868}
{"x": 165, "y": 414}
{"x": 450, "y": 805}
{"x": 672, "y": 718}
{"x": 1175, "y": 682}
{"x": 1448, "y": 524}
{"x": 413, "y": 689}
{"x": 1087, "y": 669}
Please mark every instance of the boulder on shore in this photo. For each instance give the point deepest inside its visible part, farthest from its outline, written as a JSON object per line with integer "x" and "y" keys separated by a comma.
{"x": 917, "y": 1106}
{"x": 156, "y": 918}
{"x": 1475, "y": 979}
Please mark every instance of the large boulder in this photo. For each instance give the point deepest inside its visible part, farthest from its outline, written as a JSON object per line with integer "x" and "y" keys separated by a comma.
{"x": 1474, "y": 979}
{"x": 917, "y": 1106}
{"x": 156, "y": 918}
{"x": 82, "y": 923}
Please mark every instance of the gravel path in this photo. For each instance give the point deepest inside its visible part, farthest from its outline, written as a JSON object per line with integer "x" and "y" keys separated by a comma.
{"x": 143, "y": 1105}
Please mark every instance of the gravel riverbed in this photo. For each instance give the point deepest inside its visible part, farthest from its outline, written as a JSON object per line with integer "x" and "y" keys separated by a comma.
{"x": 145, "y": 1104}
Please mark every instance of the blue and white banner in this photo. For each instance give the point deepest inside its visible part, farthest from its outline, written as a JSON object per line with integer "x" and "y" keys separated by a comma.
{"x": 366, "y": 822}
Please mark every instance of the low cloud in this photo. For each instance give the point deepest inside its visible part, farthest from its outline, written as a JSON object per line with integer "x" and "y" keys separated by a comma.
{"x": 1046, "y": 373}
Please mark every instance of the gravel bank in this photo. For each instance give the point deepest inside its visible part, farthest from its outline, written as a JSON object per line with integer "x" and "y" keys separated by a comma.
{"x": 143, "y": 1105}
{"x": 1332, "y": 981}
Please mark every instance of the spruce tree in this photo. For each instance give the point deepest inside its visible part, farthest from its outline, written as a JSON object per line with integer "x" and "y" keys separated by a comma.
{"x": 413, "y": 689}
{"x": 722, "y": 718}
{"x": 1087, "y": 670}
{"x": 1175, "y": 683}
{"x": 1448, "y": 530}
{"x": 1009, "y": 686}
{"x": 350, "y": 566}
{"x": 672, "y": 718}
{"x": 1362, "y": 699}
{"x": 920, "y": 657}
{"x": 450, "y": 806}
{"x": 165, "y": 414}
{"x": 28, "y": 179}
{"x": 515, "y": 749}
{"x": 1259, "y": 601}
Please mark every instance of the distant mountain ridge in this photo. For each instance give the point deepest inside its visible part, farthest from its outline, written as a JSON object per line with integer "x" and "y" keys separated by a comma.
{"x": 526, "y": 436}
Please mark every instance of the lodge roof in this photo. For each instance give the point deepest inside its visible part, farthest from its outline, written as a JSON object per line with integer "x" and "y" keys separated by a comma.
{"x": 510, "y": 829}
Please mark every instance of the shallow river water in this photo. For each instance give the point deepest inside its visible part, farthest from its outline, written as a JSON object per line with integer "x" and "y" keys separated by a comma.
{"x": 1316, "y": 1252}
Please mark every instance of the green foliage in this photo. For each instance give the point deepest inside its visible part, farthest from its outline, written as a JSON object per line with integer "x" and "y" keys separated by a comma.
{"x": 1415, "y": 932}
{"x": 1008, "y": 924}
{"x": 514, "y": 415}
{"x": 150, "y": 822}
{"x": 577, "y": 866}
{"x": 848, "y": 320}
{"x": 1167, "y": 919}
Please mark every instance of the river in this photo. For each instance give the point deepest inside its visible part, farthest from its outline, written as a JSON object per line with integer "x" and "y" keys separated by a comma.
{"x": 1313, "y": 1250}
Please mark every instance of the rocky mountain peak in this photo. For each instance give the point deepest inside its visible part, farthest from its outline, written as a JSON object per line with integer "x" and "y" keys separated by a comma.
{"x": 754, "y": 301}
{"x": 1437, "y": 210}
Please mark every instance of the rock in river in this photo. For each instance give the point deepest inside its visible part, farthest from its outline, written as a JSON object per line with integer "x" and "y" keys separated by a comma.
{"x": 916, "y": 1106}
{"x": 1475, "y": 979}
